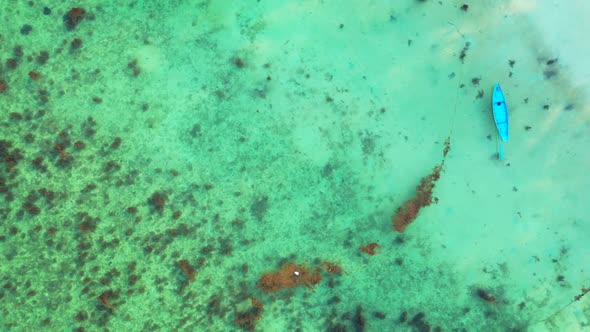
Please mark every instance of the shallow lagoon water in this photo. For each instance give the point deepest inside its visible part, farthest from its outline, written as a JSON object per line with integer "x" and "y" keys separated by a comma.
{"x": 163, "y": 162}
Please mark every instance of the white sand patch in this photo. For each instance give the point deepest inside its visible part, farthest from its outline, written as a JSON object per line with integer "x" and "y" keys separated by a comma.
{"x": 310, "y": 142}
{"x": 149, "y": 58}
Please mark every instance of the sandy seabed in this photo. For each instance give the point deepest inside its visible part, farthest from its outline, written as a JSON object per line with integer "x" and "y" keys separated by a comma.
{"x": 219, "y": 166}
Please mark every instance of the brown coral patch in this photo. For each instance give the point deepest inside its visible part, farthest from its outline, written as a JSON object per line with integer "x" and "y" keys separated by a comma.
{"x": 332, "y": 268}
{"x": 408, "y": 212}
{"x": 370, "y": 248}
{"x": 247, "y": 317}
{"x": 290, "y": 275}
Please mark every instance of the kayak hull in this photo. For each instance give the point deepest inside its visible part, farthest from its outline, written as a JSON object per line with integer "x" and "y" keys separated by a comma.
{"x": 500, "y": 111}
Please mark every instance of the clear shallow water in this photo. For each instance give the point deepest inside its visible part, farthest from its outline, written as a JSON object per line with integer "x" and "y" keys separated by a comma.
{"x": 172, "y": 165}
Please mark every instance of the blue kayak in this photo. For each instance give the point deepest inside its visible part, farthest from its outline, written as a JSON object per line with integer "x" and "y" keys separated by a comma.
{"x": 500, "y": 112}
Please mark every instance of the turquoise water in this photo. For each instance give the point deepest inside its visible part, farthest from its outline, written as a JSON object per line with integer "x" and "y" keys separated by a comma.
{"x": 226, "y": 166}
